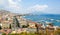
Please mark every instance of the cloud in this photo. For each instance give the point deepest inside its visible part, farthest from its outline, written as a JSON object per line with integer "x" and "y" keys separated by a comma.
{"x": 38, "y": 8}
{"x": 14, "y": 2}
{"x": 12, "y": 6}
{"x": 1, "y": 2}
{"x": 16, "y": 7}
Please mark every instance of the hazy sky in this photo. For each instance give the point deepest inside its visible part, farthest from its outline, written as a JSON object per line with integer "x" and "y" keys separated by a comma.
{"x": 29, "y": 6}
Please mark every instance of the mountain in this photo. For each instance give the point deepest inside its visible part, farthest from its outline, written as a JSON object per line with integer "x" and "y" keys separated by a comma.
{"x": 4, "y": 12}
{"x": 41, "y": 13}
{"x": 36, "y": 13}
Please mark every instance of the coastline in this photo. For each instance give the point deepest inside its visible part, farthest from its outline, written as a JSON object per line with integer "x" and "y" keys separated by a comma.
{"x": 23, "y": 22}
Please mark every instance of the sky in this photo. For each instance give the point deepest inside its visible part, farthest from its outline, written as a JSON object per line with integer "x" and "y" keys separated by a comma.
{"x": 31, "y": 6}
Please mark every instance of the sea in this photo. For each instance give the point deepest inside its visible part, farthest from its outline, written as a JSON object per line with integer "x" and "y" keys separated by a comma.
{"x": 45, "y": 18}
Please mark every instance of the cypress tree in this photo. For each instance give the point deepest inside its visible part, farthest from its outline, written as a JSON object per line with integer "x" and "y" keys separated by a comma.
{"x": 0, "y": 27}
{"x": 37, "y": 29}
{"x": 16, "y": 22}
{"x": 10, "y": 26}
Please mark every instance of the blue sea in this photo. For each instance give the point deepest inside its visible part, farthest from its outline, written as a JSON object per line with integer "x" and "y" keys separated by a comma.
{"x": 55, "y": 19}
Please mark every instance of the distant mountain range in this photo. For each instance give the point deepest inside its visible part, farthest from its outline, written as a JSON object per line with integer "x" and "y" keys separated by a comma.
{"x": 33, "y": 13}
{"x": 36, "y": 13}
{"x": 4, "y": 12}
{"x": 41, "y": 13}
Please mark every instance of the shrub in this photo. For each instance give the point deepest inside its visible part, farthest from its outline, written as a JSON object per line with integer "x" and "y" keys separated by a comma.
{"x": 4, "y": 34}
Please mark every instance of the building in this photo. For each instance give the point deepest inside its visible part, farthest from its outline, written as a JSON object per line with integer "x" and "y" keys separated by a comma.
{"x": 32, "y": 24}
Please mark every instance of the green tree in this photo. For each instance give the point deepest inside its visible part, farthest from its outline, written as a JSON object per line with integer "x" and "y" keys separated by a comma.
{"x": 10, "y": 26}
{"x": 16, "y": 22}
{"x": 0, "y": 27}
{"x": 37, "y": 29}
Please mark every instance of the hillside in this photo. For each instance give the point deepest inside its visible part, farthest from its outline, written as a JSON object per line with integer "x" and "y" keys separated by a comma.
{"x": 2, "y": 12}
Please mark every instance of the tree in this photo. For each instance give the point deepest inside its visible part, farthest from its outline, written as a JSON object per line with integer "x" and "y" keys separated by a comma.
{"x": 23, "y": 26}
{"x": 16, "y": 22}
{"x": 0, "y": 27}
{"x": 37, "y": 29}
{"x": 10, "y": 26}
